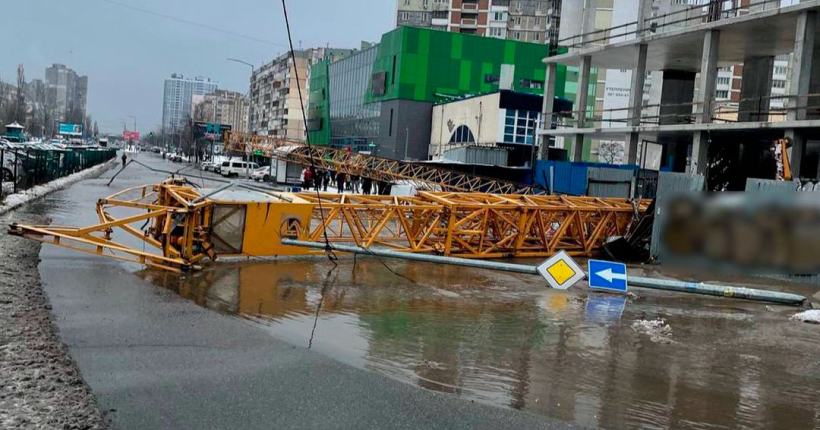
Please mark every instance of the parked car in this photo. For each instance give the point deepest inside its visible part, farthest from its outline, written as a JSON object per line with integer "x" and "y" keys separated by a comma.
{"x": 207, "y": 166}
{"x": 261, "y": 174}
{"x": 235, "y": 169}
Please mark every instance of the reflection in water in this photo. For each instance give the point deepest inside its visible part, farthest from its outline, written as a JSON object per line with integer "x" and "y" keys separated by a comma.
{"x": 505, "y": 339}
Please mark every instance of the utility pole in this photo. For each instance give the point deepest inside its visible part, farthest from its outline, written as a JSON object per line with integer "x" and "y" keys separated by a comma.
{"x": 213, "y": 135}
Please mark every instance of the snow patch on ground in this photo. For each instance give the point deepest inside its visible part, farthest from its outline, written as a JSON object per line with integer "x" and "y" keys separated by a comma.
{"x": 657, "y": 330}
{"x": 13, "y": 201}
{"x": 811, "y": 317}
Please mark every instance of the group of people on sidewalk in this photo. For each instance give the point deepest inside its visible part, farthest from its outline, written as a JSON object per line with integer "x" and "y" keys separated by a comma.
{"x": 321, "y": 179}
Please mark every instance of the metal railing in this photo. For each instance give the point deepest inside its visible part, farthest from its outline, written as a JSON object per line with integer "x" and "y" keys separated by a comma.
{"x": 719, "y": 112}
{"x": 704, "y": 11}
{"x": 26, "y": 168}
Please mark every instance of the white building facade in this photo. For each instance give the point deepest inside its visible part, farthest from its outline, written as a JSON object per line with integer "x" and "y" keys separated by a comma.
{"x": 178, "y": 97}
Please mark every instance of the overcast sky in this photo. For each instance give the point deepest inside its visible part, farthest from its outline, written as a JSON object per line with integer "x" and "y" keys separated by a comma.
{"x": 127, "y": 53}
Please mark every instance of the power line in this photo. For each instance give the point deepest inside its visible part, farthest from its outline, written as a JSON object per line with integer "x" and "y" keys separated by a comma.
{"x": 330, "y": 254}
{"x": 193, "y": 23}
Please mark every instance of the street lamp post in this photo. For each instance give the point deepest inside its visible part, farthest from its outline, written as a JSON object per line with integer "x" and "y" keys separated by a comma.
{"x": 250, "y": 91}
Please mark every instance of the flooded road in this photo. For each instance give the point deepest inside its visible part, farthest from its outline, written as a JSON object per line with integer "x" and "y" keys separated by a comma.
{"x": 494, "y": 338}
{"x": 506, "y": 340}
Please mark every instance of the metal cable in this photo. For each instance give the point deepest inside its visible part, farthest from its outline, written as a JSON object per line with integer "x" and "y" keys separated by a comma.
{"x": 330, "y": 254}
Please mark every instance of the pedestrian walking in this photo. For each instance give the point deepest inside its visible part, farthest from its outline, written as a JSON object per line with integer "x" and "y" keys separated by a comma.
{"x": 317, "y": 182}
{"x": 367, "y": 185}
{"x": 307, "y": 177}
{"x": 124, "y": 160}
{"x": 354, "y": 184}
{"x": 326, "y": 179}
{"x": 340, "y": 182}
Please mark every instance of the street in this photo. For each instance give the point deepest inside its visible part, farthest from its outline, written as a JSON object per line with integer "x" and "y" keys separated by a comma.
{"x": 438, "y": 347}
{"x": 157, "y": 360}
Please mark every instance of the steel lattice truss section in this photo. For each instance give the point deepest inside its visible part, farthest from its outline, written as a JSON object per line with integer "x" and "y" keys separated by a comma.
{"x": 174, "y": 234}
{"x": 176, "y": 227}
{"x": 376, "y": 168}
{"x": 472, "y": 225}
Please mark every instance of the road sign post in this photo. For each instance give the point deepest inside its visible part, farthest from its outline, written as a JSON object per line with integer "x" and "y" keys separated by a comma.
{"x": 608, "y": 276}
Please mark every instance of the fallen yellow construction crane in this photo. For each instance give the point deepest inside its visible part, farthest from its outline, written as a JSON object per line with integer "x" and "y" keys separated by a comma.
{"x": 175, "y": 227}
{"x": 377, "y": 168}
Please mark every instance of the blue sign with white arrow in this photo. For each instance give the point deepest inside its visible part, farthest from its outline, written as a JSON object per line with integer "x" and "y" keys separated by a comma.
{"x": 606, "y": 275}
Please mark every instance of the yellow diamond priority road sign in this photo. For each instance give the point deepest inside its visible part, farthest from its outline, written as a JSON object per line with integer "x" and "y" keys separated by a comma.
{"x": 561, "y": 271}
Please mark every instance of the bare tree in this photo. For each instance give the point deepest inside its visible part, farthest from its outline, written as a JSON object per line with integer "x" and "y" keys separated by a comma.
{"x": 3, "y": 91}
{"x": 19, "y": 112}
{"x": 74, "y": 115}
{"x": 610, "y": 152}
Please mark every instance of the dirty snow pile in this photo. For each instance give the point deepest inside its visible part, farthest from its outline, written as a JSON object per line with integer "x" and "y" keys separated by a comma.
{"x": 657, "y": 330}
{"x": 811, "y": 317}
{"x": 14, "y": 201}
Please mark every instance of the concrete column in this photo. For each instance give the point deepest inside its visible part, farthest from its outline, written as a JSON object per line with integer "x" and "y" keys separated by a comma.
{"x": 588, "y": 21}
{"x": 708, "y": 77}
{"x": 700, "y": 146}
{"x": 581, "y": 105}
{"x": 802, "y": 67}
{"x": 636, "y": 102}
{"x": 704, "y": 100}
{"x": 800, "y": 78}
{"x": 644, "y": 12}
{"x": 756, "y": 89}
{"x": 548, "y": 108}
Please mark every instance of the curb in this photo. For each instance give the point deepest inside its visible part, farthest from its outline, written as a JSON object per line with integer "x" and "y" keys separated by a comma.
{"x": 14, "y": 201}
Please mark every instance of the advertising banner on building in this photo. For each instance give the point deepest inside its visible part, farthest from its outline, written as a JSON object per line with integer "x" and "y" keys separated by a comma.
{"x": 132, "y": 136}
{"x": 211, "y": 131}
{"x": 617, "y": 87}
{"x": 71, "y": 129}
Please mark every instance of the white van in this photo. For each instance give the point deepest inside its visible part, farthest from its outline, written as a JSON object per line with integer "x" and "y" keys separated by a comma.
{"x": 236, "y": 169}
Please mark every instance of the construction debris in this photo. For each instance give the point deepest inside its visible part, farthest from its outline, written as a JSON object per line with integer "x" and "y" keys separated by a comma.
{"x": 811, "y": 316}
{"x": 657, "y": 330}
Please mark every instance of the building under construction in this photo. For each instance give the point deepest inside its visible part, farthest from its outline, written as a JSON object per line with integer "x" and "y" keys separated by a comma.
{"x": 675, "y": 52}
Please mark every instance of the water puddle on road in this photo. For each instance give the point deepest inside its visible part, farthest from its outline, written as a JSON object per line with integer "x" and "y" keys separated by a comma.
{"x": 506, "y": 340}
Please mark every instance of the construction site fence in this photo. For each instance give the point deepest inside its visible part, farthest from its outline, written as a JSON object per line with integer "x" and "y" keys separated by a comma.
{"x": 596, "y": 179}
{"x": 27, "y": 168}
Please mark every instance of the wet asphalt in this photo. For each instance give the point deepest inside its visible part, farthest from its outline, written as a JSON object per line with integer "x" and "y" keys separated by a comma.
{"x": 156, "y": 360}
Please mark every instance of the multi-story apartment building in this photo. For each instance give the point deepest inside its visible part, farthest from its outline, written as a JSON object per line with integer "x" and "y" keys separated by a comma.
{"x": 481, "y": 17}
{"x": 225, "y": 108}
{"x": 67, "y": 93}
{"x": 275, "y": 100}
{"x": 178, "y": 98}
{"x": 36, "y": 91}
{"x": 529, "y": 20}
{"x": 424, "y": 13}
{"x": 523, "y": 20}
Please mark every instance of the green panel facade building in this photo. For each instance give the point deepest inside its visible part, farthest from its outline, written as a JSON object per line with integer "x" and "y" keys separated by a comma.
{"x": 381, "y": 99}
{"x": 428, "y": 65}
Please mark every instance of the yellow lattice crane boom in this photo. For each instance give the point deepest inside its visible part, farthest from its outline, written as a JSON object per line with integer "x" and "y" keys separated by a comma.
{"x": 377, "y": 168}
{"x": 175, "y": 227}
